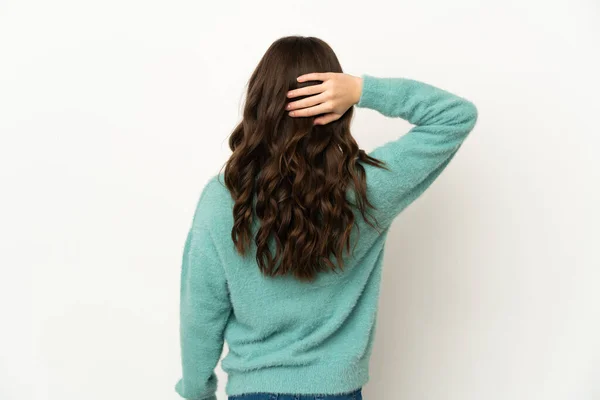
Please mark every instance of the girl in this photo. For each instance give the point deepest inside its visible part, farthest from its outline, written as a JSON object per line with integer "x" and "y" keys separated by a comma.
{"x": 284, "y": 255}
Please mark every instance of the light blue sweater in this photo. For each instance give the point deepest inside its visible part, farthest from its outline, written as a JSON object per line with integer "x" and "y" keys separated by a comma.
{"x": 285, "y": 336}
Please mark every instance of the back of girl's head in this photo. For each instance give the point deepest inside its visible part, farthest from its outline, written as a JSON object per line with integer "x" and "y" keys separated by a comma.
{"x": 290, "y": 176}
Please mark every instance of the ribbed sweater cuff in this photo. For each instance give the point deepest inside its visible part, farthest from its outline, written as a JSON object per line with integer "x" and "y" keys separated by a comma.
{"x": 372, "y": 90}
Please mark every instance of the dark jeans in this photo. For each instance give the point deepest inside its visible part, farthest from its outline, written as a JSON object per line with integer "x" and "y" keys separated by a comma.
{"x": 355, "y": 395}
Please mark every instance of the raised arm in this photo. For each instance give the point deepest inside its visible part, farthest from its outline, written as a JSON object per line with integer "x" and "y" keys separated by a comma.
{"x": 414, "y": 160}
{"x": 442, "y": 122}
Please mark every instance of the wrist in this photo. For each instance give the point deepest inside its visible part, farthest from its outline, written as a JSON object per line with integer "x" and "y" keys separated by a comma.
{"x": 358, "y": 89}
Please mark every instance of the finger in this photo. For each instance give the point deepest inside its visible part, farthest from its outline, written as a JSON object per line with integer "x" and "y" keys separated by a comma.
{"x": 327, "y": 118}
{"x": 310, "y": 111}
{"x": 307, "y": 102}
{"x": 307, "y": 90}
{"x": 313, "y": 76}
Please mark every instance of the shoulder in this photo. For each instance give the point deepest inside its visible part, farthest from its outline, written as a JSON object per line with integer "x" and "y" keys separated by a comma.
{"x": 215, "y": 190}
{"x": 215, "y": 202}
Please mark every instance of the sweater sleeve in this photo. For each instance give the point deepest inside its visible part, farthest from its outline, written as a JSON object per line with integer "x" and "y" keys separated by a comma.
{"x": 442, "y": 122}
{"x": 204, "y": 310}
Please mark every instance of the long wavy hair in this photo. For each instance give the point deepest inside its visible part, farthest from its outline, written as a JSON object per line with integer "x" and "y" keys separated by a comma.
{"x": 290, "y": 176}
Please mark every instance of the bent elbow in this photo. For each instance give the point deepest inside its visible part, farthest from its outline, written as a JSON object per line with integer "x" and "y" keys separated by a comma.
{"x": 470, "y": 114}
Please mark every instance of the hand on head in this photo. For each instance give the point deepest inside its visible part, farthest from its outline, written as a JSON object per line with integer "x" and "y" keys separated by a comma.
{"x": 332, "y": 98}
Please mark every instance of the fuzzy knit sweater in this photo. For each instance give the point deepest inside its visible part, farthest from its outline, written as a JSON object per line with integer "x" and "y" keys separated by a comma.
{"x": 285, "y": 336}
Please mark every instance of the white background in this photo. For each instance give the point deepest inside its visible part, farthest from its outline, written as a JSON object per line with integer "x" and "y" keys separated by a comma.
{"x": 113, "y": 115}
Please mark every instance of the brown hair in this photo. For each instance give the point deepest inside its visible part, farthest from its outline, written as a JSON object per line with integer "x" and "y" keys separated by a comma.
{"x": 291, "y": 174}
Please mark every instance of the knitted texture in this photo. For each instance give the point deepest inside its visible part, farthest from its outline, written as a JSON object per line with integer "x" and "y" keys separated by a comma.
{"x": 285, "y": 336}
